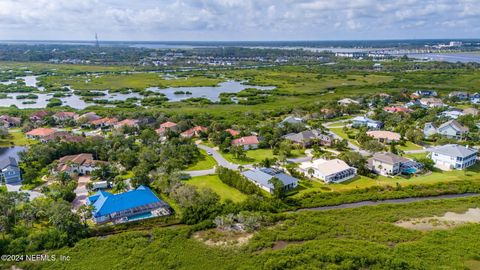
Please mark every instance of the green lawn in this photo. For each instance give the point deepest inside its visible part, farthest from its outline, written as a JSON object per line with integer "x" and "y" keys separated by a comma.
{"x": 206, "y": 162}
{"x": 359, "y": 182}
{"x": 257, "y": 155}
{"x": 343, "y": 135}
{"x": 214, "y": 183}
{"x": 409, "y": 146}
{"x": 16, "y": 137}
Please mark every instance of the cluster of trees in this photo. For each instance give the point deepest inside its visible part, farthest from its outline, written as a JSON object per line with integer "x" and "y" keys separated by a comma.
{"x": 235, "y": 179}
{"x": 44, "y": 223}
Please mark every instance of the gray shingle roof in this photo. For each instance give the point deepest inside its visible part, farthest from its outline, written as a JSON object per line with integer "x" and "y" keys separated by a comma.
{"x": 10, "y": 161}
{"x": 455, "y": 125}
{"x": 454, "y": 150}
{"x": 262, "y": 176}
{"x": 389, "y": 158}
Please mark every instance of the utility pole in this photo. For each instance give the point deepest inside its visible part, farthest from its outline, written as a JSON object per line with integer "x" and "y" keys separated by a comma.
{"x": 97, "y": 44}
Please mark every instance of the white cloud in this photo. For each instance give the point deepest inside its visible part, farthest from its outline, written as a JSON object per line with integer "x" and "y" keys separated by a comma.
{"x": 236, "y": 19}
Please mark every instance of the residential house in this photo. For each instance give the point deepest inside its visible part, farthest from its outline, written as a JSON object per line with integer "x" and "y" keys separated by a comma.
{"x": 470, "y": 111}
{"x": 106, "y": 122}
{"x": 166, "y": 126}
{"x": 475, "y": 98}
{"x": 64, "y": 116}
{"x": 262, "y": 176}
{"x": 132, "y": 123}
{"x": 328, "y": 113}
{"x": 233, "y": 132}
{"x": 389, "y": 164}
{"x": 347, "y": 101}
{"x": 308, "y": 137}
{"x": 384, "y": 136}
{"x": 459, "y": 95}
{"x": 424, "y": 94}
{"x": 78, "y": 164}
{"x": 452, "y": 129}
{"x": 247, "y": 142}
{"x": 431, "y": 102}
{"x": 194, "y": 132}
{"x": 38, "y": 116}
{"x": 397, "y": 109}
{"x": 40, "y": 133}
{"x": 132, "y": 205}
{"x": 330, "y": 171}
{"x": 362, "y": 121}
{"x": 9, "y": 171}
{"x": 452, "y": 113}
{"x": 429, "y": 129}
{"x": 61, "y": 136}
{"x": 87, "y": 118}
{"x": 8, "y": 121}
{"x": 291, "y": 120}
{"x": 453, "y": 156}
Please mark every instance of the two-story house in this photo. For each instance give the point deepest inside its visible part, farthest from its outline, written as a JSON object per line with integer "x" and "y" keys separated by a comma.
{"x": 453, "y": 156}
{"x": 9, "y": 171}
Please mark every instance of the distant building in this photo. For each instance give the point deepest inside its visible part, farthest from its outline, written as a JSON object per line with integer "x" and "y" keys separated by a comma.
{"x": 194, "y": 132}
{"x": 133, "y": 205}
{"x": 132, "y": 123}
{"x": 308, "y": 137}
{"x": 233, "y": 132}
{"x": 8, "y": 121}
{"x": 459, "y": 95}
{"x": 361, "y": 121}
{"x": 452, "y": 114}
{"x": 40, "y": 133}
{"x": 262, "y": 176}
{"x": 38, "y": 116}
{"x": 248, "y": 142}
{"x": 291, "y": 120}
{"x": 9, "y": 171}
{"x": 451, "y": 129}
{"x": 384, "y": 136}
{"x": 106, "y": 122}
{"x": 431, "y": 102}
{"x": 330, "y": 171}
{"x": 167, "y": 126}
{"x": 397, "y": 109}
{"x": 347, "y": 101}
{"x": 424, "y": 94}
{"x": 453, "y": 156}
{"x": 470, "y": 111}
{"x": 64, "y": 116}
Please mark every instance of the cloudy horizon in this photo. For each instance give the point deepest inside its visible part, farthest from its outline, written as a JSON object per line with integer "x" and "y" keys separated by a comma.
{"x": 235, "y": 20}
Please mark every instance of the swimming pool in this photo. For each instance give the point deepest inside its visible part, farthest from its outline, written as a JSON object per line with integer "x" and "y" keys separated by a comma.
{"x": 140, "y": 216}
{"x": 410, "y": 170}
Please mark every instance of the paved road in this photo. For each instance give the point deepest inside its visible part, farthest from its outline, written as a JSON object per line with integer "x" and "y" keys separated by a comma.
{"x": 81, "y": 191}
{"x": 391, "y": 201}
{"x": 16, "y": 188}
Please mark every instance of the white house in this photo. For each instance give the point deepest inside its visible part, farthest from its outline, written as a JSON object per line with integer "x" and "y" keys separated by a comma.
{"x": 453, "y": 156}
{"x": 362, "y": 121}
{"x": 347, "y": 101}
{"x": 450, "y": 129}
{"x": 330, "y": 171}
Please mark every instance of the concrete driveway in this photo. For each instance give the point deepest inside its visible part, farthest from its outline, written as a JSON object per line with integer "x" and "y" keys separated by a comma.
{"x": 81, "y": 191}
{"x": 15, "y": 187}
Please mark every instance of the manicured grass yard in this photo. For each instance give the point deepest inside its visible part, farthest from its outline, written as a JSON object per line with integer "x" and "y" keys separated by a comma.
{"x": 343, "y": 135}
{"x": 206, "y": 162}
{"x": 16, "y": 137}
{"x": 409, "y": 146}
{"x": 437, "y": 176}
{"x": 257, "y": 155}
{"x": 214, "y": 183}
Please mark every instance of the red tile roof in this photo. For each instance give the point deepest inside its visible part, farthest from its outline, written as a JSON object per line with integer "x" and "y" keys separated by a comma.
{"x": 168, "y": 125}
{"x": 40, "y": 132}
{"x": 248, "y": 140}
{"x": 233, "y": 132}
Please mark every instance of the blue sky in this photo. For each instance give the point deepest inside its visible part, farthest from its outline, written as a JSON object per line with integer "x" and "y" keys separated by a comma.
{"x": 239, "y": 19}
